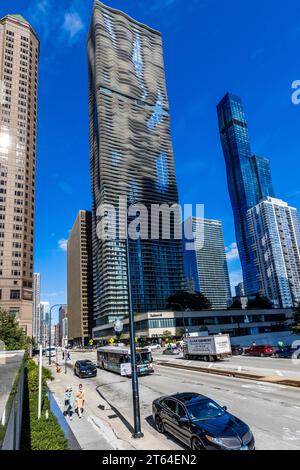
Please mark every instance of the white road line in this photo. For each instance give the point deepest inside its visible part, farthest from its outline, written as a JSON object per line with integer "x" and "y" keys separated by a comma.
{"x": 279, "y": 373}
{"x": 210, "y": 366}
{"x": 239, "y": 369}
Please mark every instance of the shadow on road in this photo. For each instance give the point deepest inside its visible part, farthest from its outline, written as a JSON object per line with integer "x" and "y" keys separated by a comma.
{"x": 169, "y": 437}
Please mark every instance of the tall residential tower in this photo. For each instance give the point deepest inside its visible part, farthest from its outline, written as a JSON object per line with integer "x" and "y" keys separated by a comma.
{"x": 206, "y": 266}
{"x": 19, "y": 55}
{"x": 132, "y": 156}
{"x": 275, "y": 233}
{"x": 248, "y": 176}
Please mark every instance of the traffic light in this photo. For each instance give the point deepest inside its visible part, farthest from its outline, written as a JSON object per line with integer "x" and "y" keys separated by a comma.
{"x": 91, "y": 342}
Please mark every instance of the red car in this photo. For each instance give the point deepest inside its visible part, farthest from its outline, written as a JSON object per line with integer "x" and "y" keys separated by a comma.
{"x": 260, "y": 350}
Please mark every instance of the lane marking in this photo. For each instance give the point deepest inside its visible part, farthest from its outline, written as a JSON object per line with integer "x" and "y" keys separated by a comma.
{"x": 292, "y": 417}
{"x": 278, "y": 372}
{"x": 210, "y": 366}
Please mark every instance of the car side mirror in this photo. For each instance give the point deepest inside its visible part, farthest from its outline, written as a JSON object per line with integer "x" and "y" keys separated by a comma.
{"x": 225, "y": 408}
{"x": 184, "y": 420}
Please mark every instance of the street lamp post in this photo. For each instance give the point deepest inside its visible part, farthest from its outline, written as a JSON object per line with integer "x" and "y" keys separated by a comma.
{"x": 183, "y": 316}
{"x": 135, "y": 386}
{"x": 56, "y": 305}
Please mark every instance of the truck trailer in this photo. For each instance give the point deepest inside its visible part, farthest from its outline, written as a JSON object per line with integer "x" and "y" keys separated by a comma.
{"x": 207, "y": 348}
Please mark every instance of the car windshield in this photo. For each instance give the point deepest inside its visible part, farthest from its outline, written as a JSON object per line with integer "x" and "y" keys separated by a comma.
{"x": 143, "y": 358}
{"x": 85, "y": 364}
{"x": 205, "y": 409}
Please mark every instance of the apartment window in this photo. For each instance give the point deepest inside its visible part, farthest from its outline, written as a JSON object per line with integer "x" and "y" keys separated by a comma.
{"x": 15, "y": 294}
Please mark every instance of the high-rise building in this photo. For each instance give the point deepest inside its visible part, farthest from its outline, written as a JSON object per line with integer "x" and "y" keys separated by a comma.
{"x": 80, "y": 280}
{"x": 239, "y": 290}
{"x": 248, "y": 177}
{"x": 132, "y": 156}
{"x": 206, "y": 264}
{"x": 19, "y": 55}
{"x": 275, "y": 233}
{"x": 62, "y": 314}
{"x": 44, "y": 319}
{"x": 36, "y": 317}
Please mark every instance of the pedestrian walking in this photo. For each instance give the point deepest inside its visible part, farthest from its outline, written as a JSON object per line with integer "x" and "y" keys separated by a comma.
{"x": 69, "y": 403}
{"x": 80, "y": 400}
{"x": 63, "y": 354}
{"x": 68, "y": 355}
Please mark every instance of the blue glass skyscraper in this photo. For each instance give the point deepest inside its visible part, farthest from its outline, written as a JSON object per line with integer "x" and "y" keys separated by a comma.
{"x": 248, "y": 177}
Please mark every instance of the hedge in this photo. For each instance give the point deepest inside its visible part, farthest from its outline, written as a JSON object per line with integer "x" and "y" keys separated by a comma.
{"x": 39, "y": 434}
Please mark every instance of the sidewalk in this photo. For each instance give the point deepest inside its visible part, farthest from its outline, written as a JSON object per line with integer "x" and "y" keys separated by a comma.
{"x": 102, "y": 426}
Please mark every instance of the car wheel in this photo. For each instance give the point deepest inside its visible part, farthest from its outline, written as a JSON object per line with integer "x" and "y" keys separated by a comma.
{"x": 196, "y": 444}
{"x": 276, "y": 355}
{"x": 261, "y": 354}
{"x": 159, "y": 425}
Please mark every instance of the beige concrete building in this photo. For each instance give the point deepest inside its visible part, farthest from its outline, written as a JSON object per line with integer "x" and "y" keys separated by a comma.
{"x": 80, "y": 294}
{"x": 19, "y": 55}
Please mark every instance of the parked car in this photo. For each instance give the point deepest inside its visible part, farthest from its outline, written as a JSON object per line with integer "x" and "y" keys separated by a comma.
{"x": 154, "y": 347}
{"x": 201, "y": 423}
{"x": 288, "y": 352}
{"x": 173, "y": 350}
{"x": 236, "y": 350}
{"x": 85, "y": 368}
{"x": 260, "y": 350}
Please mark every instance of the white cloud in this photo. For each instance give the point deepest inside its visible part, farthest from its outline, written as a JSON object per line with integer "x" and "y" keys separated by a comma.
{"x": 232, "y": 252}
{"x": 73, "y": 24}
{"x": 63, "y": 244}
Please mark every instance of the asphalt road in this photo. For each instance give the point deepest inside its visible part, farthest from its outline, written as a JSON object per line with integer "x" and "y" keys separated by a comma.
{"x": 261, "y": 365}
{"x": 272, "y": 411}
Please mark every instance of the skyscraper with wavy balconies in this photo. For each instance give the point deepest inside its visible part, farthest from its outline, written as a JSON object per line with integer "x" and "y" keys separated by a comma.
{"x": 130, "y": 155}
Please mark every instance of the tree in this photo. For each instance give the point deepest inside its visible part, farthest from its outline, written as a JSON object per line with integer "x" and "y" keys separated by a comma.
{"x": 187, "y": 300}
{"x": 11, "y": 333}
{"x": 259, "y": 302}
{"x": 236, "y": 304}
{"x": 296, "y": 321}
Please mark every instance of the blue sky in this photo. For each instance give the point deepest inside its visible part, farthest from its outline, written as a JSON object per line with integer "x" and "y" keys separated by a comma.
{"x": 250, "y": 48}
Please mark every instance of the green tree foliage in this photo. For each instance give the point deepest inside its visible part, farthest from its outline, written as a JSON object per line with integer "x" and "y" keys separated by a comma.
{"x": 11, "y": 333}
{"x": 236, "y": 304}
{"x": 39, "y": 434}
{"x": 187, "y": 300}
{"x": 259, "y": 302}
{"x": 296, "y": 321}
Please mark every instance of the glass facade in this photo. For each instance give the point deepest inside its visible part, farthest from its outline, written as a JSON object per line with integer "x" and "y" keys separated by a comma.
{"x": 248, "y": 178}
{"x": 274, "y": 230}
{"x": 207, "y": 264}
{"x": 131, "y": 155}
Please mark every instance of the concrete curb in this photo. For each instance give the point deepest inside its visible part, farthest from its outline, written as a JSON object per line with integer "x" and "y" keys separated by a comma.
{"x": 239, "y": 375}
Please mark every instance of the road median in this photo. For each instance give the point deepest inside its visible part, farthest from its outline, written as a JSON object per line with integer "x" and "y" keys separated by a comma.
{"x": 291, "y": 382}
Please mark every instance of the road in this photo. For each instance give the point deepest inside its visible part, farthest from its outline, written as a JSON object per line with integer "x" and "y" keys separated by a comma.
{"x": 260, "y": 365}
{"x": 272, "y": 411}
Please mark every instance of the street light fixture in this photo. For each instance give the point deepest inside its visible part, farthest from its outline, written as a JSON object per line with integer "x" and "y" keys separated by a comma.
{"x": 118, "y": 327}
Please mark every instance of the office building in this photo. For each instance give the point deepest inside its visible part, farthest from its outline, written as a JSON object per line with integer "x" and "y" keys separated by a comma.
{"x": 275, "y": 233}
{"x": 206, "y": 265}
{"x": 131, "y": 155}
{"x": 44, "y": 322}
{"x": 80, "y": 281}
{"x": 62, "y": 314}
{"x": 36, "y": 317}
{"x": 239, "y": 290}
{"x": 19, "y": 55}
{"x": 248, "y": 176}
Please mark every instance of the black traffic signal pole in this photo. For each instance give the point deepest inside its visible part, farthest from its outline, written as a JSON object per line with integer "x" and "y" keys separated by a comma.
{"x": 135, "y": 386}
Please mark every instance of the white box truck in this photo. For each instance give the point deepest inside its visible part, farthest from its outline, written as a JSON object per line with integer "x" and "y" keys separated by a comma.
{"x": 207, "y": 348}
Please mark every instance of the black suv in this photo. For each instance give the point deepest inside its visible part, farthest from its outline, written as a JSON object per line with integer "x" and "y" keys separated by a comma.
{"x": 85, "y": 368}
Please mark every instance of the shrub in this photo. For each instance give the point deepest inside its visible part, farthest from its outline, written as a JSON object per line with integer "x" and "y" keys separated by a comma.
{"x": 39, "y": 434}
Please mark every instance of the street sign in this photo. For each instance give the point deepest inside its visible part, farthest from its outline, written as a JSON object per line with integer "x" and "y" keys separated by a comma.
{"x": 111, "y": 341}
